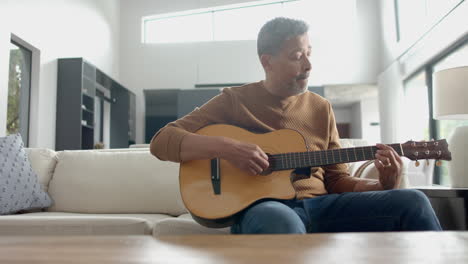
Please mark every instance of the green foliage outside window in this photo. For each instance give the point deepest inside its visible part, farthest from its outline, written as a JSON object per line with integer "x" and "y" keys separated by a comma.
{"x": 14, "y": 89}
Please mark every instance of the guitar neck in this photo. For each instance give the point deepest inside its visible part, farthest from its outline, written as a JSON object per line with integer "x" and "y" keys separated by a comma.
{"x": 287, "y": 161}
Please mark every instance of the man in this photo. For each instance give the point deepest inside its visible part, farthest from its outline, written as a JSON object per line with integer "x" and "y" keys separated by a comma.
{"x": 327, "y": 199}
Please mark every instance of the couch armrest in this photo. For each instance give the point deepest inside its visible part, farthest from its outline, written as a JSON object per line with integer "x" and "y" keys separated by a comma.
{"x": 367, "y": 170}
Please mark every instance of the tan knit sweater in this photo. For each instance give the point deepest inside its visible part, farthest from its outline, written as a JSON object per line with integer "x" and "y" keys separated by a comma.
{"x": 254, "y": 108}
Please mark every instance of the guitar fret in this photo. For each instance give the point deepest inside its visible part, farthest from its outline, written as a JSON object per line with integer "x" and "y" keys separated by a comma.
{"x": 290, "y": 160}
{"x": 293, "y": 161}
{"x": 324, "y": 157}
{"x": 371, "y": 152}
{"x": 332, "y": 156}
{"x": 296, "y": 160}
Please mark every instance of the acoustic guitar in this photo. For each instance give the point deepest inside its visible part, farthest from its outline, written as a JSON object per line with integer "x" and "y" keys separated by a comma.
{"x": 215, "y": 192}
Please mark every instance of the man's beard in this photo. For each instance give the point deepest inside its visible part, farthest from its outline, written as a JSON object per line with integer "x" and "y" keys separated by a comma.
{"x": 296, "y": 88}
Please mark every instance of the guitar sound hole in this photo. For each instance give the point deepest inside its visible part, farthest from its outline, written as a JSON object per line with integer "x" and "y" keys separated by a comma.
{"x": 266, "y": 172}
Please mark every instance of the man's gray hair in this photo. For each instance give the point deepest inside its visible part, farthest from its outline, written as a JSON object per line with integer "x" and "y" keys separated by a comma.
{"x": 276, "y": 31}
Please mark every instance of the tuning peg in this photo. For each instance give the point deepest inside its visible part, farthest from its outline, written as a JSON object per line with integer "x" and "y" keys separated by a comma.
{"x": 416, "y": 163}
{"x": 438, "y": 163}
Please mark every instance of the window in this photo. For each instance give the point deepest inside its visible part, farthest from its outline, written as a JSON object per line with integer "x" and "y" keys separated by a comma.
{"x": 416, "y": 103}
{"x": 415, "y": 17}
{"x": 228, "y": 25}
{"x": 185, "y": 28}
{"x": 243, "y": 21}
{"x": 19, "y": 90}
{"x": 444, "y": 128}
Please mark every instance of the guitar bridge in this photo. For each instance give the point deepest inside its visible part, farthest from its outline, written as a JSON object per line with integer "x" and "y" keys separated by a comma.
{"x": 216, "y": 176}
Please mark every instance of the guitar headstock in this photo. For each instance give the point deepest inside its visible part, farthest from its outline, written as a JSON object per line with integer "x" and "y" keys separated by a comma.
{"x": 435, "y": 149}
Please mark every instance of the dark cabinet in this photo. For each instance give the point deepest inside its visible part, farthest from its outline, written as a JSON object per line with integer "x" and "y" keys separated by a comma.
{"x": 84, "y": 96}
{"x": 166, "y": 105}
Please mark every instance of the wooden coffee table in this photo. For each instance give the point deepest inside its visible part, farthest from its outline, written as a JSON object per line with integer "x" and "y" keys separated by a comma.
{"x": 381, "y": 248}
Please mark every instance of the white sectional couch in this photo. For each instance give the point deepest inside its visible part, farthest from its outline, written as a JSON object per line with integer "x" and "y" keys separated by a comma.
{"x": 111, "y": 192}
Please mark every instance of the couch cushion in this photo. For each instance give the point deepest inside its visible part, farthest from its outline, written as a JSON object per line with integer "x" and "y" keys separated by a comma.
{"x": 115, "y": 182}
{"x": 56, "y": 225}
{"x": 184, "y": 226}
{"x": 150, "y": 218}
{"x": 59, "y": 223}
{"x": 20, "y": 188}
{"x": 43, "y": 162}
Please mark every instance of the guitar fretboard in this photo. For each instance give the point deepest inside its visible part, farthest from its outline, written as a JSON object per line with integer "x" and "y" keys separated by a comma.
{"x": 295, "y": 160}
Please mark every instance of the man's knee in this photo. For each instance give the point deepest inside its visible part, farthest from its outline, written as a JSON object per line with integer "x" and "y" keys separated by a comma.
{"x": 272, "y": 217}
{"x": 411, "y": 198}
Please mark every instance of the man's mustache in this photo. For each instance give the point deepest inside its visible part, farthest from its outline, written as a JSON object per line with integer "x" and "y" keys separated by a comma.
{"x": 302, "y": 76}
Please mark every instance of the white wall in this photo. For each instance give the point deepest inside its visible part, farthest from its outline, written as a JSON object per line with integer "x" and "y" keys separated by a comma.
{"x": 342, "y": 114}
{"x": 346, "y": 60}
{"x": 356, "y": 125}
{"x": 58, "y": 28}
{"x": 370, "y": 114}
{"x": 350, "y": 114}
{"x": 400, "y": 59}
{"x": 4, "y": 55}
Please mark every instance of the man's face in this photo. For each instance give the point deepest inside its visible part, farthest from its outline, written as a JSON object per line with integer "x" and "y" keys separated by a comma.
{"x": 290, "y": 68}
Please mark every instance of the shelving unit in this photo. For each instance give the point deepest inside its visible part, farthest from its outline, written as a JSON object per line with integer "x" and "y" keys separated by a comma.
{"x": 166, "y": 105}
{"x": 80, "y": 85}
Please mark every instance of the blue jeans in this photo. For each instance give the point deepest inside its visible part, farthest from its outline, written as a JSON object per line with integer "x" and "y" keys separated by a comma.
{"x": 391, "y": 210}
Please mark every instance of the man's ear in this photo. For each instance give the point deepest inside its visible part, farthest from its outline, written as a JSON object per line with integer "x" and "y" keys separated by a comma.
{"x": 266, "y": 61}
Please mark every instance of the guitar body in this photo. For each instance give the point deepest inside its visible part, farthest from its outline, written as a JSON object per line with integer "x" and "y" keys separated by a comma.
{"x": 238, "y": 189}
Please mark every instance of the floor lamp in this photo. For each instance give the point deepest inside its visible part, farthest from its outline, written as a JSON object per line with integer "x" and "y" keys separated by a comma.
{"x": 451, "y": 103}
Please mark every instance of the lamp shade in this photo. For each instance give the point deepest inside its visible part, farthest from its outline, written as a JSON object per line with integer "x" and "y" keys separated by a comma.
{"x": 451, "y": 93}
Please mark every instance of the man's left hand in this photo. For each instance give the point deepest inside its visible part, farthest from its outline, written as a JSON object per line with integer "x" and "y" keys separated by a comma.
{"x": 389, "y": 165}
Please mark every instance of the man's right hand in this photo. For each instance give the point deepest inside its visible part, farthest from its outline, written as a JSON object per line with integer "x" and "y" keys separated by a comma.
{"x": 245, "y": 156}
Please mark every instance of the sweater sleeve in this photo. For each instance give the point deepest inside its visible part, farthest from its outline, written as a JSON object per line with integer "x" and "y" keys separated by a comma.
{"x": 165, "y": 144}
{"x": 337, "y": 178}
